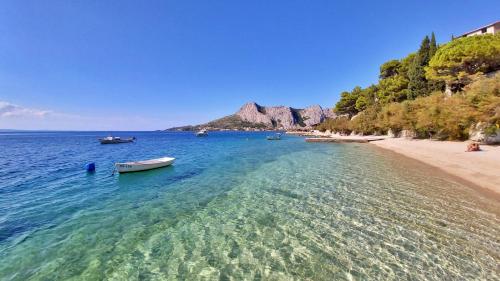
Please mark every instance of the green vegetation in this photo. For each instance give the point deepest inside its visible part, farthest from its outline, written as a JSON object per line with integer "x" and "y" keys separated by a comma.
{"x": 417, "y": 85}
{"x": 459, "y": 61}
{"x": 347, "y": 102}
{"x": 231, "y": 122}
{"x": 409, "y": 94}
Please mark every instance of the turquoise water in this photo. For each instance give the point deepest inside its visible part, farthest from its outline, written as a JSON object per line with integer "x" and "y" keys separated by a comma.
{"x": 235, "y": 207}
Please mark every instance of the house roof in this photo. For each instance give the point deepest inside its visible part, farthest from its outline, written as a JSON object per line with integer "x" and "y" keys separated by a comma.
{"x": 477, "y": 29}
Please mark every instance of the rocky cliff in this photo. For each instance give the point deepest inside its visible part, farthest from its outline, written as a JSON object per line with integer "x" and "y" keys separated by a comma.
{"x": 253, "y": 116}
{"x": 283, "y": 117}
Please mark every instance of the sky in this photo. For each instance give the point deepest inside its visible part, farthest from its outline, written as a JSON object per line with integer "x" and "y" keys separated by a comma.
{"x": 147, "y": 65}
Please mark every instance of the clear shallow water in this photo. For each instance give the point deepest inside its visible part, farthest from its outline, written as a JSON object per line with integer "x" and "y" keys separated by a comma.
{"x": 235, "y": 206}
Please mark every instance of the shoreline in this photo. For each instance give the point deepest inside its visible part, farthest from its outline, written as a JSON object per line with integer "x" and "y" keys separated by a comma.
{"x": 480, "y": 169}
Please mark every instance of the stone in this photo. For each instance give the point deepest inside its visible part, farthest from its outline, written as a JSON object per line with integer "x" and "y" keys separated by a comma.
{"x": 477, "y": 134}
{"x": 409, "y": 134}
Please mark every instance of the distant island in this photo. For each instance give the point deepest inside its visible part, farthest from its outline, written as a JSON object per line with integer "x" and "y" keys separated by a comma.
{"x": 255, "y": 117}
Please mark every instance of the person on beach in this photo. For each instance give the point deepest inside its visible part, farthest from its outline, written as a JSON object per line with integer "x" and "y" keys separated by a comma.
{"x": 473, "y": 147}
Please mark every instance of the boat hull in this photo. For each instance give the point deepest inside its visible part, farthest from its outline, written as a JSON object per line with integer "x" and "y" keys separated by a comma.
{"x": 115, "y": 141}
{"x": 138, "y": 166}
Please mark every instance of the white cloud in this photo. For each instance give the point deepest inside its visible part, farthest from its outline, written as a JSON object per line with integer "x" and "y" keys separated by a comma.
{"x": 12, "y": 110}
{"x": 13, "y": 116}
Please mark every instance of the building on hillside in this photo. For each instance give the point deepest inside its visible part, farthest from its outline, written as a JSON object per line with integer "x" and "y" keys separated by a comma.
{"x": 493, "y": 28}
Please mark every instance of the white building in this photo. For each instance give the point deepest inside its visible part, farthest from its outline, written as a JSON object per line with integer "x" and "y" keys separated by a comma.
{"x": 493, "y": 28}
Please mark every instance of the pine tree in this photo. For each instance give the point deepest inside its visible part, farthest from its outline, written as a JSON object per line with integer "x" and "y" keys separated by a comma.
{"x": 417, "y": 85}
{"x": 432, "y": 46}
{"x": 424, "y": 51}
{"x": 434, "y": 85}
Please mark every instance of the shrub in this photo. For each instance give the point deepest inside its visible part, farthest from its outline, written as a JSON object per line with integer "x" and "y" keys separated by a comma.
{"x": 338, "y": 125}
{"x": 394, "y": 116}
{"x": 365, "y": 122}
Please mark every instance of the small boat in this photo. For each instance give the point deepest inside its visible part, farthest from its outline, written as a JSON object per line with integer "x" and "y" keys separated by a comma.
{"x": 202, "y": 133}
{"x": 143, "y": 165}
{"x": 113, "y": 140}
{"x": 275, "y": 137}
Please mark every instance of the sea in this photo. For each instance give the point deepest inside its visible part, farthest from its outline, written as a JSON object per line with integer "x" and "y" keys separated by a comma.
{"x": 235, "y": 206}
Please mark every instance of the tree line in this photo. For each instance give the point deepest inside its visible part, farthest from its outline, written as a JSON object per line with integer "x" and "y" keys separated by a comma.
{"x": 409, "y": 87}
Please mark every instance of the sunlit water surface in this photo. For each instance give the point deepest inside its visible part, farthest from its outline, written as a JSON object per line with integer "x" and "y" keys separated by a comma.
{"x": 235, "y": 207}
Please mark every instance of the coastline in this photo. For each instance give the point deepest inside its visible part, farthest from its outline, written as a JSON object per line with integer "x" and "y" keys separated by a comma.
{"x": 478, "y": 168}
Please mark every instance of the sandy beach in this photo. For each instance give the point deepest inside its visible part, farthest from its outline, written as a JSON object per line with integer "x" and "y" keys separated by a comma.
{"x": 481, "y": 168}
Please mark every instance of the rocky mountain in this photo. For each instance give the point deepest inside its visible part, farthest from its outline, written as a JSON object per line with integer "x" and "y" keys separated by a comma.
{"x": 253, "y": 116}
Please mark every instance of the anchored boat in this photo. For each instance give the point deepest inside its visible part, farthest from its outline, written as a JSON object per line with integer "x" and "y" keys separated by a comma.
{"x": 114, "y": 140}
{"x": 202, "y": 133}
{"x": 144, "y": 165}
{"x": 275, "y": 137}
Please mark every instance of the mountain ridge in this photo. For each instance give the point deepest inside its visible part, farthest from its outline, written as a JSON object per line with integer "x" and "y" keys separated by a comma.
{"x": 252, "y": 116}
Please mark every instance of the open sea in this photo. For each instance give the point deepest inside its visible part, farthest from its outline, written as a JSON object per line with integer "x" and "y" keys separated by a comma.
{"x": 235, "y": 206}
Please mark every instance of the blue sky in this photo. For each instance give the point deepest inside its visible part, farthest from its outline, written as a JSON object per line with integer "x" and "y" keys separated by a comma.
{"x": 144, "y": 65}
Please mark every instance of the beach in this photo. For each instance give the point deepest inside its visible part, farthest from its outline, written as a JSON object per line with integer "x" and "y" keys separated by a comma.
{"x": 481, "y": 168}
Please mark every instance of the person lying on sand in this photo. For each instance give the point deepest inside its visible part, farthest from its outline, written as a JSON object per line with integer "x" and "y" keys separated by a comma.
{"x": 473, "y": 147}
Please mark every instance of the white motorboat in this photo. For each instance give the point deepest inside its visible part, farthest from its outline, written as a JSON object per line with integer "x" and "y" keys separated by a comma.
{"x": 114, "y": 140}
{"x": 202, "y": 133}
{"x": 143, "y": 165}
